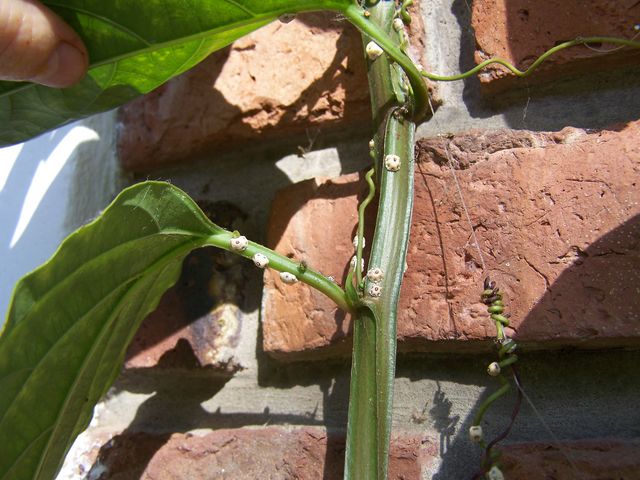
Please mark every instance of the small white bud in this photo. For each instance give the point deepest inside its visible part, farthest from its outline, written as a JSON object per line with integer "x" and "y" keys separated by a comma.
{"x": 493, "y": 369}
{"x": 375, "y": 290}
{"x": 372, "y": 144}
{"x": 475, "y": 433}
{"x": 495, "y": 474}
{"x": 260, "y": 260}
{"x": 392, "y": 162}
{"x": 353, "y": 263}
{"x": 288, "y": 278}
{"x": 398, "y": 24}
{"x": 373, "y": 50}
{"x": 239, "y": 244}
{"x": 375, "y": 274}
{"x": 330, "y": 278}
{"x": 355, "y": 242}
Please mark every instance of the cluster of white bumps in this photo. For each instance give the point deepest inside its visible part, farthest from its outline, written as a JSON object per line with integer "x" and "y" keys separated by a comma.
{"x": 375, "y": 276}
{"x": 240, "y": 244}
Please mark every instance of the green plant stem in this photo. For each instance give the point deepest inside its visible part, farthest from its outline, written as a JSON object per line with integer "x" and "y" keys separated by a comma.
{"x": 284, "y": 264}
{"x": 503, "y": 390}
{"x": 374, "y": 346}
{"x": 537, "y": 63}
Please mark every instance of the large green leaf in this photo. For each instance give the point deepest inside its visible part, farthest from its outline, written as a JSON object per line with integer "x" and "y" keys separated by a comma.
{"x": 71, "y": 320}
{"x": 135, "y": 46}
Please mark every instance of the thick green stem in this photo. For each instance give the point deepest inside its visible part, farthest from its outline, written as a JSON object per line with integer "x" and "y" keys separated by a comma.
{"x": 374, "y": 350}
{"x": 382, "y": 35}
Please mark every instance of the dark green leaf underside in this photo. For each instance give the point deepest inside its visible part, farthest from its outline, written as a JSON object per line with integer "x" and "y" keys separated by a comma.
{"x": 71, "y": 320}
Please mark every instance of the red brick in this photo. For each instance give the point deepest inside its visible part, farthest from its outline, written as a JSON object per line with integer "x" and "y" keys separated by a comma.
{"x": 246, "y": 453}
{"x": 279, "y": 81}
{"x": 558, "y": 219}
{"x": 306, "y": 78}
{"x": 298, "y": 317}
{"x": 520, "y": 31}
{"x": 592, "y": 459}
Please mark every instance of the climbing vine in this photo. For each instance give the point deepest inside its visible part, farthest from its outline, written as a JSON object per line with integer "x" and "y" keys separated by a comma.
{"x": 59, "y": 356}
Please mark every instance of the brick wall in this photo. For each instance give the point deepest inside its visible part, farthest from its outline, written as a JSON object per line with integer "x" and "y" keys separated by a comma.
{"x": 233, "y": 378}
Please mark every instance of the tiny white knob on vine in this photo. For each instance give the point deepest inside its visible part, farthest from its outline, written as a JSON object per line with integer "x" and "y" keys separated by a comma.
{"x": 495, "y": 474}
{"x": 475, "y": 433}
{"x": 260, "y": 260}
{"x": 373, "y": 50}
{"x": 493, "y": 369}
{"x": 355, "y": 242}
{"x": 375, "y": 274}
{"x": 239, "y": 244}
{"x": 288, "y": 278}
{"x": 392, "y": 162}
{"x": 375, "y": 290}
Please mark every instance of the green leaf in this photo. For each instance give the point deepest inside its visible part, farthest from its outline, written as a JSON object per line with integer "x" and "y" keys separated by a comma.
{"x": 135, "y": 46}
{"x": 70, "y": 321}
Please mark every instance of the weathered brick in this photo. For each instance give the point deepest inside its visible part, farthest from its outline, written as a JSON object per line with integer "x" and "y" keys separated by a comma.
{"x": 557, "y": 216}
{"x": 593, "y": 459}
{"x": 298, "y": 317}
{"x": 520, "y": 31}
{"x": 247, "y": 453}
{"x": 279, "y": 81}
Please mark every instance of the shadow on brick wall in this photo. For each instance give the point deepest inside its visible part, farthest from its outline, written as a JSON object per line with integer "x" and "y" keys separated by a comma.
{"x": 579, "y": 394}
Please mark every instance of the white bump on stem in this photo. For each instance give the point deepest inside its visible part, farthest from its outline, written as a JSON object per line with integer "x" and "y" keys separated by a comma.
{"x": 288, "y": 278}
{"x": 355, "y": 242}
{"x": 392, "y": 162}
{"x": 260, "y": 260}
{"x": 375, "y": 274}
{"x": 475, "y": 433}
{"x": 493, "y": 369}
{"x": 375, "y": 290}
{"x": 398, "y": 24}
{"x": 239, "y": 244}
{"x": 373, "y": 50}
{"x": 372, "y": 144}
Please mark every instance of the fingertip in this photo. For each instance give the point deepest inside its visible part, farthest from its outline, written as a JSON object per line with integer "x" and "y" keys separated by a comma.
{"x": 65, "y": 67}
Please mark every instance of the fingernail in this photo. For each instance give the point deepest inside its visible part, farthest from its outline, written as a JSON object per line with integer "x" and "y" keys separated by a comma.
{"x": 66, "y": 66}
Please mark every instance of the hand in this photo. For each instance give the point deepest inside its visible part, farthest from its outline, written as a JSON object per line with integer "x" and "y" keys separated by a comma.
{"x": 37, "y": 46}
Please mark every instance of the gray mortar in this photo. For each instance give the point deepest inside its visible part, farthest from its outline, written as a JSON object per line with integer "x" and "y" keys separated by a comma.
{"x": 581, "y": 395}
